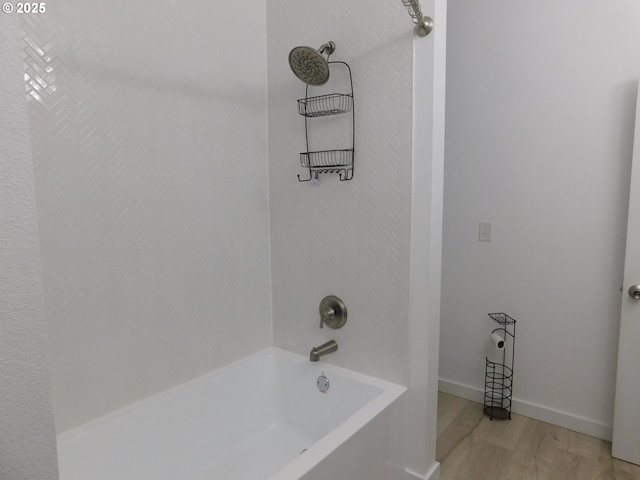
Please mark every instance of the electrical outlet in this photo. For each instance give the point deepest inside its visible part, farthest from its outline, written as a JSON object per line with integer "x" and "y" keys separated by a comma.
{"x": 484, "y": 232}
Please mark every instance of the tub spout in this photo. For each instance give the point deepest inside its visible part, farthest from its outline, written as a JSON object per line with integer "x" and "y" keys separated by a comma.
{"x": 322, "y": 350}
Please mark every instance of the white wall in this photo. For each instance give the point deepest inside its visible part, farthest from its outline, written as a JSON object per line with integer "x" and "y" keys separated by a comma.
{"x": 540, "y": 105}
{"x": 149, "y": 143}
{"x": 351, "y": 238}
{"x": 27, "y": 442}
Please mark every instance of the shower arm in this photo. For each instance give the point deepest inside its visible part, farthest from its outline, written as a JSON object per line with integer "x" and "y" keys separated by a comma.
{"x": 327, "y": 48}
{"x": 424, "y": 25}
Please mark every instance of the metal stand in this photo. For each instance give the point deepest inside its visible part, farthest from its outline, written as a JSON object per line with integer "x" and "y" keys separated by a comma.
{"x": 498, "y": 383}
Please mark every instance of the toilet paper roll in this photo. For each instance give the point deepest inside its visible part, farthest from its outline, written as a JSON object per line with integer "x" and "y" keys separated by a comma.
{"x": 498, "y": 341}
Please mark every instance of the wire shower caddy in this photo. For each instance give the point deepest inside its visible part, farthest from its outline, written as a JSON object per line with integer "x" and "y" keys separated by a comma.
{"x": 498, "y": 383}
{"x": 328, "y": 161}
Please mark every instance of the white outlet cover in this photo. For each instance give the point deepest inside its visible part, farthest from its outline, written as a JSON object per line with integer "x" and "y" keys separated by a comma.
{"x": 484, "y": 232}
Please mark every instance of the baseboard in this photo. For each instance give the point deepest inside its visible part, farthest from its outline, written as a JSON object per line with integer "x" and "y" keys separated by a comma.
{"x": 460, "y": 390}
{"x": 432, "y": 474}
{"x": 531, "y": 410}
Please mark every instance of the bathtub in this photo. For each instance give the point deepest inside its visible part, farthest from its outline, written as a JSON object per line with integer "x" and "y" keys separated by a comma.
{"x": 261, "y": 418}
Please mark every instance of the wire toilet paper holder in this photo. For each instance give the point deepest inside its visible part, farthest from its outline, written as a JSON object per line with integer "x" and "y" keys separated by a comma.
{"x": 498, "y": 383}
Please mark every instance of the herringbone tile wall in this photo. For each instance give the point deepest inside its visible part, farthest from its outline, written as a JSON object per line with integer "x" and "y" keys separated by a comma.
{"x": 149, "y": 128}
{"x": 350, "y": 238}
{"x": 148, "y": 120}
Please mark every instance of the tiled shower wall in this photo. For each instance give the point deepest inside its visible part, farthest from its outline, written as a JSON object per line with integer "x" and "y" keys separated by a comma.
{"x": 150, "y": 143}
{"x": 148, "y": 121}
{"x": 351, "y": 238}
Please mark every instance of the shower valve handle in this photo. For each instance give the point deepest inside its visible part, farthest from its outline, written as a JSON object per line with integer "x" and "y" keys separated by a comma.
{"x": 333, "y": 312}
{"x": 327, "y": 315}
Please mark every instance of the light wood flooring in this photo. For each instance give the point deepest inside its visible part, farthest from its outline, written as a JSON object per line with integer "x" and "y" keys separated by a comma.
{"x": 472, "y": 447}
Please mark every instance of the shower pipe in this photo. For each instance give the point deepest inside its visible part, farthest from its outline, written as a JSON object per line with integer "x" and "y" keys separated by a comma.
{"x": 424, "y": 25}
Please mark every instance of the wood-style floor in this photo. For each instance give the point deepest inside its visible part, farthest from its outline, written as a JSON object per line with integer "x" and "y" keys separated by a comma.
{"x": 472, "y": 447}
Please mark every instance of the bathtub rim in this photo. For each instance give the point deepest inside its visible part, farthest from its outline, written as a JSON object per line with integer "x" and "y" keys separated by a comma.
{"x": 327, "y": 444}
{"x": 79, "y": 431}
{"x": 305, "y": 462}
{"x": 321, "y": 449}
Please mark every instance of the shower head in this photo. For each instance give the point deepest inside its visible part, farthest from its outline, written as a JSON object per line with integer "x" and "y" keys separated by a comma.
{"x": 309, "y": 64}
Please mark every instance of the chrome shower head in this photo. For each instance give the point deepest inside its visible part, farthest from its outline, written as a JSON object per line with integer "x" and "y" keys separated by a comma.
{"x": 309, "y": 64}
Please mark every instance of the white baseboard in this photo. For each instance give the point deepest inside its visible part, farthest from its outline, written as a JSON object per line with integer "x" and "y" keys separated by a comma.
{"x": 531, "y": 410}
{"x": 432, "y": 474}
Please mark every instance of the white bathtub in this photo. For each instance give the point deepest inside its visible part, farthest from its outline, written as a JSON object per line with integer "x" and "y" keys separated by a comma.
{"x": 262, "y": 418}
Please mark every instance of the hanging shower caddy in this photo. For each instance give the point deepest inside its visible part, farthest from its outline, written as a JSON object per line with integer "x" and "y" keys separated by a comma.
{"x": 498, "y": 383}
{"x": 328, "y": 161}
